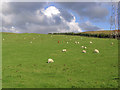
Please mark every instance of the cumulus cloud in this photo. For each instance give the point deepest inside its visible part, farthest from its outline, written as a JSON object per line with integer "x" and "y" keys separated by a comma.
{"x": 50, "y": 11}
{"x": 30, "y": 17}
{"x": 39, "y": 21}
{"x": 73, "y": 26}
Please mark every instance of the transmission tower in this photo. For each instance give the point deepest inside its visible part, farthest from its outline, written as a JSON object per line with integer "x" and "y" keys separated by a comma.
{"x": 114, "y": 20}
{"x": 118, "y": 19}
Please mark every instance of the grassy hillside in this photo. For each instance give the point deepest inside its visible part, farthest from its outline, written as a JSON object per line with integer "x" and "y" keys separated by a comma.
{"x": 24, "y": 64}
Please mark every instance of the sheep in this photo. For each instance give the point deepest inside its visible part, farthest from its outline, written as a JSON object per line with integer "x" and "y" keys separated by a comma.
{"x": 64, "y": 50}
{"x": 90, "y": 42}
{"x": 50, "y": 60}
{"x": 82, "y": 46}
{"x": 85, "y": 47}
{"x": 31, "y": 42}
{"x": 67, "y": 42}
{"x": 3, "y": 39}
{"x": 76, "y": 42}
{"x": 83, "y": 51}
{"x": 112, "y": 43}
{"x": 96, "y": 51}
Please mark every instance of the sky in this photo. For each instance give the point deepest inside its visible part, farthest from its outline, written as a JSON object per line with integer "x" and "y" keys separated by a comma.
{"x": 52, "y": 17}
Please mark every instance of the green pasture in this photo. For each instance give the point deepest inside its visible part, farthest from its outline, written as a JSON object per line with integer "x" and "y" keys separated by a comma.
{"x": 24, "y": 64}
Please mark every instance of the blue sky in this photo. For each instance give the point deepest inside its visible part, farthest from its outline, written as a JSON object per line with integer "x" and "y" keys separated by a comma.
{"x": 48, "y": 17}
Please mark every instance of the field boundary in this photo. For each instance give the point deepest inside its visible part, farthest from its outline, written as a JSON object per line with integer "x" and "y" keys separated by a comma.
{"x": 99, "y": 34}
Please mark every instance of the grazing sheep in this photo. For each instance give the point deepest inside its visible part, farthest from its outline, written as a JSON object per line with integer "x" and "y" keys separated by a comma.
{"x": 31, "y": 42}
{"x": 76, "y": 42}
{"x": 96, "y": 51}
{"x": 83, "y": 51}
{"x": 90, "y": 42}
{"x": 50, "y": 60}
{"x": 112, "y": 43}
{"x": 3, "y": 39}
{"x": 82, "y": 46}
{"x": 64, "y": 50}
{"x": 85, "y": 47}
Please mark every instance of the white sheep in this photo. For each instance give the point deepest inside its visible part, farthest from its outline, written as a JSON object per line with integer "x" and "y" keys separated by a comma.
{"x": 31, "y": 42}
{"x": 112, "y": 43}
{"x": 96, "y": 51}
{"x": 83, "y": 51}
{"x": 78, "y": 42}
{"x": 90, "y": 42}
{"x": 82, "y": 46}
{"x": 64, "y": 50}
{"x": 50, "y": 60}
{"x": 3, "y": 39}
{"x": 85, "y": 47}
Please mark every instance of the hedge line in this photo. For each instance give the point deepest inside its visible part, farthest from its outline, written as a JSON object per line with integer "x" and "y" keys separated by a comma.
{"x": 101, "y": 35}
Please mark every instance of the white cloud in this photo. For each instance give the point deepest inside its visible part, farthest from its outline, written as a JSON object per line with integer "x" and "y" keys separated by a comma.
{"x": 64, "y": 26}
{"x": 11, "y": 29}
{"x": 50, "y": 11}
{"x": 73, "y": 26}
{"x": 40, "y": 20}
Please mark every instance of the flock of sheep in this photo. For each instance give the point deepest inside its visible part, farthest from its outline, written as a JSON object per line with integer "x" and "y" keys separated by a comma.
{"x": 64, "y": 50}
{"x": 83, "y": 47}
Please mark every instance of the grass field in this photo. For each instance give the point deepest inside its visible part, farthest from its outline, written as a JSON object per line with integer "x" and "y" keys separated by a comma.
{"x": 24, "y": 64}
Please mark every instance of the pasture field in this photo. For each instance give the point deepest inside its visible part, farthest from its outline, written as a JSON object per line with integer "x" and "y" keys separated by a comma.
{"x": 24, "y": 64}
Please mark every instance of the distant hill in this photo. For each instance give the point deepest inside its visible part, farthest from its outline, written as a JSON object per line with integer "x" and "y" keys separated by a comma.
{"x": 100, "y": 32}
